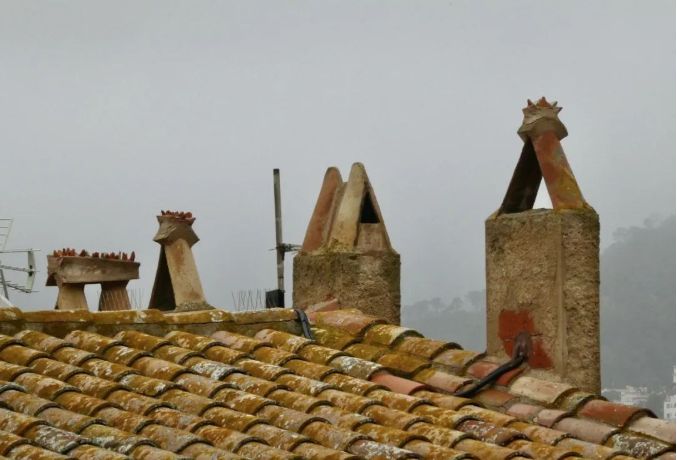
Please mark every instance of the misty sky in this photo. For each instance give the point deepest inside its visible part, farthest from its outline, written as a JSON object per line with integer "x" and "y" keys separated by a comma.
{"x": 111, "y": 111}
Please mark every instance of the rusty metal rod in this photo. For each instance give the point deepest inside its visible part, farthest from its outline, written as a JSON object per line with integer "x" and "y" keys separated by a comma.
{"x": 279, "y": 245}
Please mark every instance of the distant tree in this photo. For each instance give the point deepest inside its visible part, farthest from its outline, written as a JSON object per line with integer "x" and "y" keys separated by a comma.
{"x": 478, "y": 299}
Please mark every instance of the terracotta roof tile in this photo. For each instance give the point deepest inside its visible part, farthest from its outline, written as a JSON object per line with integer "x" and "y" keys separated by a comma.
{"x": 9, "y": 441}
{"x": 441, "y": 380}
{"x": 232, "y": 419}
{"x": 146, "y": 385}
{"x": 319, "y": 354}
{"x": 432, "y": 452}
{"x": 273, "y": 355}
{"x": 398, "y": 384}
{"x": 288, "y": 420}
{"x": 329, "y": 436}
{"x": 351, "y": 384}
{"x": 282, "y": 340}
{"x": 375, "y": 451}
{"x": 26, "y": 451}
{"x": 42, "y": 386}
{"x": 351, "y": 321}
{"x": 389, "y": 436}
{"x": 457, "y": 360}
{"x": 191, "y": 341}
{"x": 387, "y": 334}
{"x": 339, "y": 417}
{"x": 494, "y": 398}
{"x": 391, "y": 417}
{"x": 126, "y": 356}
{"x": 542, "y": 391}
{"x": 277, "y": 437}
{"x": 637, "y": 446}
{"x": 200, "y": 385}
{"x": 238, "y": 342}
{"x": 136, "y": 339}
{"x": 189, "y": 403}
{"x": 93, "y": 343}
{"x": 525, "y": 412}
{"x": 174, "y": 354}
{"x": 548, "y": 417}
{"x": 334, "y": 338}
{"x": 406, "y": 365}
{"x": 56, "y": 369}
{"x": 539, "y": 433}
{"x": 422, "y": 347}
{"x": 304, "y": 384}
{"x": 67, "y": 420}
{"x": 16, "y": 423}
{"x": 586, "y": 430}
{"x": 124, "y": 420}
{"x": 83, "y": 404}
{"x": 655, "y": 428}
{"x": 74, "y": 356}
{"x": 169, "y": 438}
{"x": 366, "y": 351}
{"x": 589, "y": 450}
{"x": 446, "y": 401}
{"x": 17, "y": 354}
{"x": 296, "y": 401}
{"x": 224, "y": 438}
{"x": 42, "y": 342}
{"x": 104, "y": 369}
{"x": 25, "y": 403}
{"x": 355, "y": 367}
{"x": 135, "y": 403}
{"x": 277, "y": 395}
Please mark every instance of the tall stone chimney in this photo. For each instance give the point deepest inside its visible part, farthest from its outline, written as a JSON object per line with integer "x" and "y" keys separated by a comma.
{"x": 542, "y": 265}
{"x": 346, "y": 253}
{"x": 177, "y": 282}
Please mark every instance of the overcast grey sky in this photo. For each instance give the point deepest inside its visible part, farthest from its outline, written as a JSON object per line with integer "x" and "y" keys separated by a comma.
{"x": 111, "y": 111}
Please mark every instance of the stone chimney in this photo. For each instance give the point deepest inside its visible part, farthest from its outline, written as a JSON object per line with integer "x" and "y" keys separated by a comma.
{"x": 542, "y": 265}
{"x": 177, "y": 282}
{"x": 71, "y": 271}
{"x": 346, "y": 253}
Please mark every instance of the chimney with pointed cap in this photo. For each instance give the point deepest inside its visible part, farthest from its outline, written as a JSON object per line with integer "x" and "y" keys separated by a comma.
{"x": 542, "y": 265}
{"x": 346, "y": 253}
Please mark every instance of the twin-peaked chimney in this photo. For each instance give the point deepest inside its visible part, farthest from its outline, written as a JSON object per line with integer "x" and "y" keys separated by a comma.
{"x": 346, "y": 253}
{"x": 542, "y": 265}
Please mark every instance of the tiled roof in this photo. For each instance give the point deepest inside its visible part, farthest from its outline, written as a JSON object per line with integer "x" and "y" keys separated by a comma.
{"x": 214, "y": 385}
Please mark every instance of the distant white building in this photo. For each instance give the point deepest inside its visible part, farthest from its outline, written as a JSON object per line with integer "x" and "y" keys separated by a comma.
{"x": 632, "y": 396}
{"x": 669, "y": 404}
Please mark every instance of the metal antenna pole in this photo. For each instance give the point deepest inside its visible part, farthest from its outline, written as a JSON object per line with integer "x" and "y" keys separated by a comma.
{"x": 279, "y": 245}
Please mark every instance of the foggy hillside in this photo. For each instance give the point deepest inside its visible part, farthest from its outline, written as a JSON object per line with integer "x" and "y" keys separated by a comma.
{"x": 637, "y": 309}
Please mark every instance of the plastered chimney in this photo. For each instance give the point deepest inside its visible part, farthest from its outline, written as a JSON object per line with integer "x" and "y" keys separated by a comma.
{"x": 542, "y": 265}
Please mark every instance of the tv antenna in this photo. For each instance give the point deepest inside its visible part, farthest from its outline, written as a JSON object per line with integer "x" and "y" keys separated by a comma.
{"x": 276, "y": 298}
{"x": 5, "y": 283}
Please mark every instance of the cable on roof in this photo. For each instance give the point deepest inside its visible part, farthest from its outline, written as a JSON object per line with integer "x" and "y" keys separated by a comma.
{"x": 520, "y": 355}
{"x": 302, "y": 318}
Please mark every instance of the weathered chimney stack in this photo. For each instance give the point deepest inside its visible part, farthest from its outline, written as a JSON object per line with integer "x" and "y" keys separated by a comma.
{"x": 177, "y": 283}
{"x": 71, "y": 271}
{"x": 346, "y": 253}
{"x": 542, "y": 265}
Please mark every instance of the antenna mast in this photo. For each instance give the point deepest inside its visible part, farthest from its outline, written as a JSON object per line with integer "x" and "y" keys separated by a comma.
{"x": 280, "y": 247}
